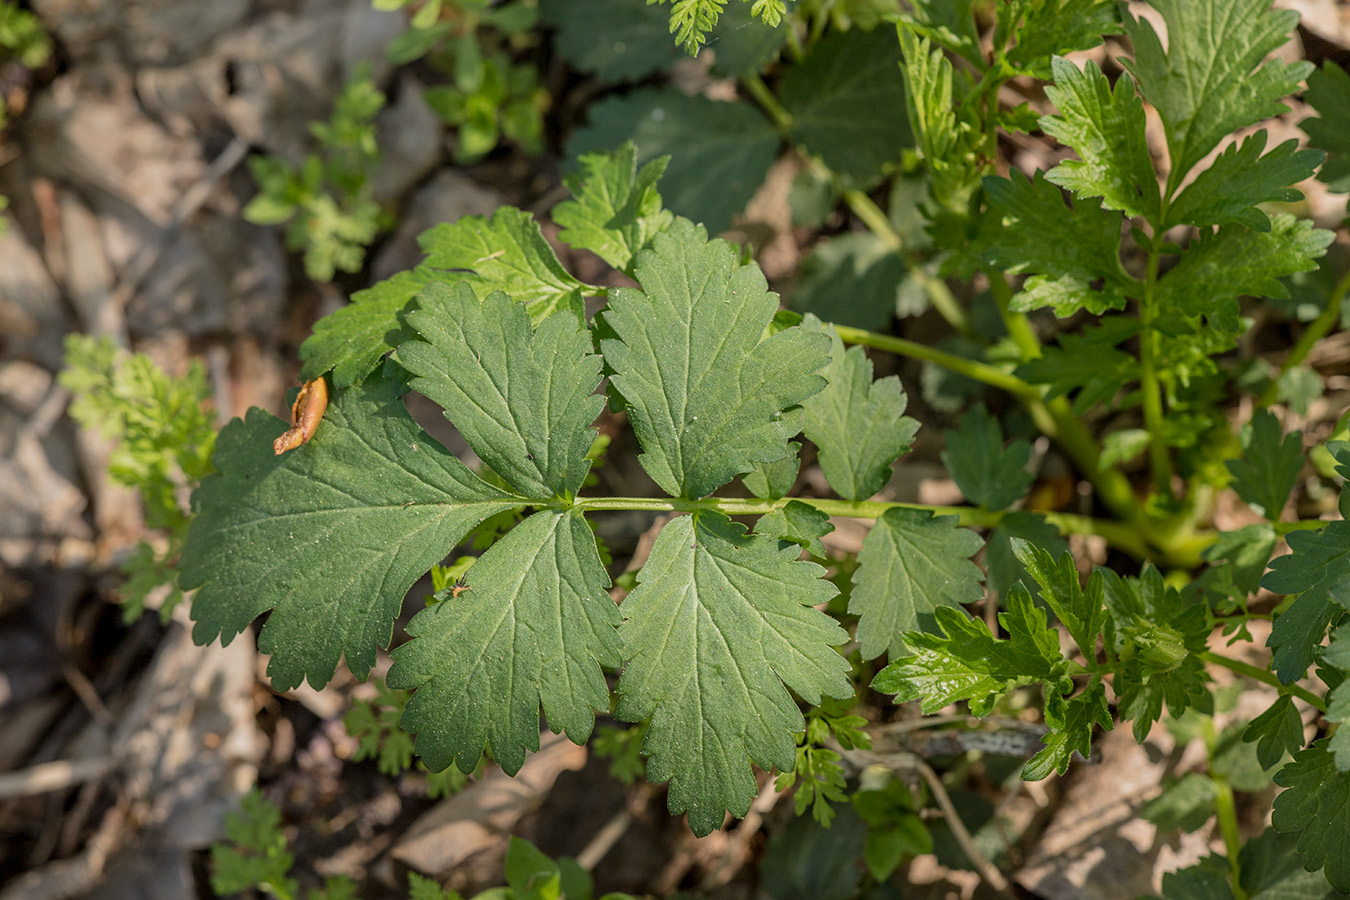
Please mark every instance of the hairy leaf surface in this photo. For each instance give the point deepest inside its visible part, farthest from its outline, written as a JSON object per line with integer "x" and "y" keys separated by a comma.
{"x": 857, "y": 423}
{"x": 705, "y": 390}
{"x": 617, "y": 210}
{"x": 990, "y": 475}
{"x": 966, "y": 662}
{"x": 329, "y": 536}
{"x": 719, "y": 626}
{"x": 352, "y": 340}
{"x": 911, "y": 565}
{"x": 532, "y": 623}
{"x": 1229, "y": 189}
{"x": 1318, "y": 570}
{"x": 504, "y": 252}
{"x": 523, "y": 400}
{"x": 1106, "y": 129}
{"x": 1211, "y": 80}
{"x": 1316, "y": 806}
{"x": 1221, "y": 266}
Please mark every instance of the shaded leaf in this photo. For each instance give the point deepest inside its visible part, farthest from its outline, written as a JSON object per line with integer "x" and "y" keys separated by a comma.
{"x": 990, "y": 475}
{"x": 1229, "y": 189}
{"x": 1316, "y": 806}
{"x": 1269, "y": 466}
{"x": 835, "y": 93}
{"x": 911, "y": 565}
{"x": 727, "y": 144}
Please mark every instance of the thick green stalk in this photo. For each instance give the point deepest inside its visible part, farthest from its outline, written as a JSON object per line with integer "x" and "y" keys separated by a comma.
{"x": 1054, "y": 419}
{"x": 939, "y": 295}
{"x": 1225, "y": 811}
{"x": 1265, "y": 677}
{"x": 1117, "y": 534}
{"x": 1019, "y": 329}
{"x": 1160, "y": 462}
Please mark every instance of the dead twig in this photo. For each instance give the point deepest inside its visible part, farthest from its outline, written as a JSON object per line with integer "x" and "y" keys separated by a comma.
{"x": 52, "y": 776}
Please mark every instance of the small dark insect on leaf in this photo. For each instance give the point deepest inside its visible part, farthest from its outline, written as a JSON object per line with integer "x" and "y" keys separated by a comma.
{"x": 458, "y": 588}
{"x": 306, "y": 412}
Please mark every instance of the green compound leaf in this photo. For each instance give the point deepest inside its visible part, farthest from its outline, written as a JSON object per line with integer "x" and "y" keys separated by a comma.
{"x": 834, "y": 96}
{"x": 705, "y": 390}
{"x": 1056, "y": 27}
{"x": 1184, "y": 805}
{"x": 329, "y": 536}
{"x": 1211, "y": 80}
{"x": 1003, "y": 567}
{"x": 1085, "y": 363}
{"x": 523, "y": 401}
{"x": 352, "y": 341}
{"x": 1277, "y": 731}
{"x": 532, "y": 624}
{"x": 1272, "y": 870}
{"x": 1316, "y": 806}
{"x": 729, "y": 145}
{"x": 1071, "y": 721}
{"x": 911, "y": 566}
{"x": 1072, "y": 246}
{"x": 506, "y": 252}
{"x": 1106, "y": 129}
{"x": 990, "y": 475}
{"x": 1230, "y": 188}
{"x": 1269, "y": 466}
{"x": 1329, "y": 93}
{"x": 1158, "y": 637}
{"x": 857, "y": 423}
{"x": 966, "y": 662}
{"x": 719, "y": 627}
{"x": 1318, "y": 569}
{"x": 1221, "y": 266}
{"x": 1080, "y": 609}
{"x": 617, "y": 210}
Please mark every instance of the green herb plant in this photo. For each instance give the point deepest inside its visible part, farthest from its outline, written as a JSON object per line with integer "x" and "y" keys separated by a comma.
{"x": 1152, "y": 269}
{"x": 475, "y": 44}
{"x": 162, "y": 438}
{"x": 257, "y": 855}
{"x": 327, "y": 199}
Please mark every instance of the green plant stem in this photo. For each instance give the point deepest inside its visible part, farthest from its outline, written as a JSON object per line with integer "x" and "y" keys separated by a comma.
{"x": 939, "y": 295}
{"x": 782, "y": 119}
{"x": 1225, "y": 811}
{"x": 1019, "y": 329}
{"x": 1265, "y": 677}
{"x": 1160, "y": 462}
{"x": 1317, "y": 330}
{"x": 1117, "y": 534}
{"x": 1055, "y": 419}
